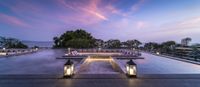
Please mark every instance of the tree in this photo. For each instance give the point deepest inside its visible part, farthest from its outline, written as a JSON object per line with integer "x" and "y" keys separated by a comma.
{"x": 56, "y": 41}
{"x": 99, "y": 43}
{"x": 151, "y": 46}
{"x": 185, "y": 41}
{"x": 113, "y": 43}
{"x": 168, "y": 47}
{"x": 11, "y": 43}
{"x": 75, "y": 39}
{"x": 133, "y": 43}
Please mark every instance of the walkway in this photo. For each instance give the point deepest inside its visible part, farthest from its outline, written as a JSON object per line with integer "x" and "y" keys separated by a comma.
{"x": 97, "y": 66}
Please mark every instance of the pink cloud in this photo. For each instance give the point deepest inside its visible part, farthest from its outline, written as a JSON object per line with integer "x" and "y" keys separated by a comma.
{"x": 91, "y": 9}
{"x": 141, "y": 24}
{"x": 13, "y": 20}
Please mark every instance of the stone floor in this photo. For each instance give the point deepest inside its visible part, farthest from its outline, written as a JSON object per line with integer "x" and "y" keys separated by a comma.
{"x": 148, "y": 81}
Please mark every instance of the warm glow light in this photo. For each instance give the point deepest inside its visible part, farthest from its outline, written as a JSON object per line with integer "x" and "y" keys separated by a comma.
{"x": 131, "y": 68}
{"x": 131, "y": 71}
{"x": 157, "y": 53}
{"x": 68, "y": 71}
{"x": 127, "y": 68}
{"x": 3, "y": 53}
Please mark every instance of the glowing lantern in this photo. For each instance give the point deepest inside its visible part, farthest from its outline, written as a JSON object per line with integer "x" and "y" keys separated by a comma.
{"x": 157, "y": 53}
{"x": 68, "y": 69}
{"x": 131, "y": 69}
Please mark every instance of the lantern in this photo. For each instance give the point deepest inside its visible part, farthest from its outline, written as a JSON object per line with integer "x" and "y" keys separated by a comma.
{"x": 157, "y": 53}
{"x": 68, "y": 69}
{"x": 131, "y": 69}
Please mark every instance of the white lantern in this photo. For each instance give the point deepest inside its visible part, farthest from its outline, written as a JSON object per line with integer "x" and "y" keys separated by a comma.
{"x": 68, "y": 69}
{"x": 4, "y": 48}
{"x": 131, "y": 69}
{"x": 157, "y": 53}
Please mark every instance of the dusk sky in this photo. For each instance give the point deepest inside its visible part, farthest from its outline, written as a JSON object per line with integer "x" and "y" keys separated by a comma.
{"x": 145, "y": 20}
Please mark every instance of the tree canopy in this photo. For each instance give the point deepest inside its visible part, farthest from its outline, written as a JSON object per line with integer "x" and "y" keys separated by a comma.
{"x": 82, "y": 39}
{"x": 113, "y": 43}
{"x": 75, "y": 39}
{"x": 11, "y": 43}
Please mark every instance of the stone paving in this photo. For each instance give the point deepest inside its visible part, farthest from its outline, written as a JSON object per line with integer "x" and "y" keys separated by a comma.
{"x": 188, "y": 81}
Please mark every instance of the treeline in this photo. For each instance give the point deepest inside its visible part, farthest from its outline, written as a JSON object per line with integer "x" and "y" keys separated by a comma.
{"x": 166, "y": 47}
{"x": 11, "y": 43}
{"x": 82, "y": 39}
{"x": 174, "y": 49}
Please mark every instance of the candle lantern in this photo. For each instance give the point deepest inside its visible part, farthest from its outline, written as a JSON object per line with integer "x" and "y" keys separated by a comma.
{"x": 131, "y": 69}
{"x": 68, "y": 69}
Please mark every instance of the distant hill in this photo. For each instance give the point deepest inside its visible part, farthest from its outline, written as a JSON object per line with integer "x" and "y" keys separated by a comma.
{"x": 38, "y": 43}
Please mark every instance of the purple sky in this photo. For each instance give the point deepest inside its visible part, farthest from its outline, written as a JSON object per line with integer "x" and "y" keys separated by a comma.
{"x": 145, "y": 20}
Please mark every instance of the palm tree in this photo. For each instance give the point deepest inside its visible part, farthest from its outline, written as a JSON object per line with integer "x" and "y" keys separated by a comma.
{"x": 188, "y": 39}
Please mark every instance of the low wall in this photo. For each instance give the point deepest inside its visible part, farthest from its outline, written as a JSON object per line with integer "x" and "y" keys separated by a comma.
{"x": 121, "y": 66}
{"x": 116, "y": 65}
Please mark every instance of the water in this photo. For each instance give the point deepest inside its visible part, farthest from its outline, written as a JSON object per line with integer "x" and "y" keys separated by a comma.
{"x": 45, "y": 62}
{"x": 42, "y": 62}
{"x": 38, "y": 43}
{"x": 160, "y": 65}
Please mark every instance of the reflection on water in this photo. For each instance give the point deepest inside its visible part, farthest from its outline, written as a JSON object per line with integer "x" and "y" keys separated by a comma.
{"x": 160, "y": 65}
{"x": 97, "y": 66}
{"x": 42, "y": 62}
{"x": 45, "y": 62}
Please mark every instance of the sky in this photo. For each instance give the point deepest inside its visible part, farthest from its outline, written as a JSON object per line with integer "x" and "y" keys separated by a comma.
{"x": 145, "y": 20}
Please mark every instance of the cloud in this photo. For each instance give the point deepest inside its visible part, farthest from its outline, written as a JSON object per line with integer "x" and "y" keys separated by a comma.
{"x": 137, "y": 6}
{"x": 141, "y": 25}
{"x": 186, "y": 24}
{"x": 189, "y": 27}
{"x": 14, "y": 21}
{"x": 90, "y": 9}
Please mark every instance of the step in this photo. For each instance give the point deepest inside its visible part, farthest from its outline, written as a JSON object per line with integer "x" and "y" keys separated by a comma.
{"x": 100, "y": 76}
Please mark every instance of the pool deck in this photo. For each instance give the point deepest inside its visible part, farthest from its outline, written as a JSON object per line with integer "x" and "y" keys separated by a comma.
{"x": 24, "y": 73}
{"x": 166, "y": 80}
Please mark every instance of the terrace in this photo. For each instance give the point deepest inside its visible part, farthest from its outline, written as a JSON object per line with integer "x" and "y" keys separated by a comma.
{"x": 152, "y": 70}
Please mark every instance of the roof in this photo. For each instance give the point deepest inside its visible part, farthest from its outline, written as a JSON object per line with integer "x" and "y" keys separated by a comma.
{"x": 69, "y": 62}
{"x": 131, "y": 62}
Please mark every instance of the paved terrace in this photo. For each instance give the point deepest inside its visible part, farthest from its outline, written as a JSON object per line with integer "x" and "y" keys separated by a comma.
{"x": 56, "y": 81}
